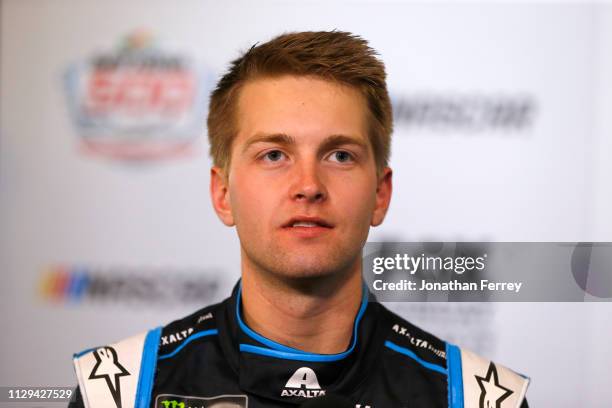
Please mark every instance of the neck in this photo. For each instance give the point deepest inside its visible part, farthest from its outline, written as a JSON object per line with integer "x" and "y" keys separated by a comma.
{"x": 315, "y": 315}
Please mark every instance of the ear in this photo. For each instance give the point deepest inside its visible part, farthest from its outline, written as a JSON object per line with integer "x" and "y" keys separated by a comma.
{"x": 219, "y": 194}
{"x": 383, "y": 196}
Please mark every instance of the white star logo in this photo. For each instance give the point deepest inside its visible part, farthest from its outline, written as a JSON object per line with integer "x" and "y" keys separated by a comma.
{"x": 108, "y": 367}
{"x": 492, "y": 393}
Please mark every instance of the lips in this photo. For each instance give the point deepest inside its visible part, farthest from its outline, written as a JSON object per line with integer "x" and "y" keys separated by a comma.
{"x": 307, "y": 222}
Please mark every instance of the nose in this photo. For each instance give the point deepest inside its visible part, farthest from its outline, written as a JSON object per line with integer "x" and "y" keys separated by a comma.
{"x": 307, "y": 184}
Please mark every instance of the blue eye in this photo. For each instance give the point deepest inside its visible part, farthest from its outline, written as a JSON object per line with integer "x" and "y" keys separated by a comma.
{"x": 341, "y": 156}
{"x": 273, "y": 155}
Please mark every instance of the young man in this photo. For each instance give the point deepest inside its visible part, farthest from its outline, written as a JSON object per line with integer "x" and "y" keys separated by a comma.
{"x": 299, "y": 131}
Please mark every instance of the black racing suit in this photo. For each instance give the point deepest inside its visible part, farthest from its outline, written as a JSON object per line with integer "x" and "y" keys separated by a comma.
{"x": 211, "y": 357}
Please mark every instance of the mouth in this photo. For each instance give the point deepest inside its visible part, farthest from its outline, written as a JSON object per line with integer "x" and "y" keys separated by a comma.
{"x": 308, "y": 227}
{"x": 307, "y": 222}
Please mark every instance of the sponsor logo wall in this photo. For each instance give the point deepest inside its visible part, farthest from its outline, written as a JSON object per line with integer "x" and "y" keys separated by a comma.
{"x": 104, "y": 170}
{"x": 163, "y": 287}
{"x": 138, "y": 102}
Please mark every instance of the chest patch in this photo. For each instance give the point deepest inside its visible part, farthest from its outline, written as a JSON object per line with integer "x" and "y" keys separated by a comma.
{"x": 185, "y": 401}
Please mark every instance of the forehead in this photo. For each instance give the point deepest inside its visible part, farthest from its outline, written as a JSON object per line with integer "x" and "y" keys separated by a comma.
{"x": 306, "y": 108}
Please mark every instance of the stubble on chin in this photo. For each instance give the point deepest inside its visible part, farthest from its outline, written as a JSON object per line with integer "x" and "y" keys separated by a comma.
{"x": 294, "y": 267}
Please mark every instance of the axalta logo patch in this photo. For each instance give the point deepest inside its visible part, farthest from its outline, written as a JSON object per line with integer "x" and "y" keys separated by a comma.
{"x": 303, "y": 383}
{"x": 174, "y": 337}
{"x": 418, "y": 342}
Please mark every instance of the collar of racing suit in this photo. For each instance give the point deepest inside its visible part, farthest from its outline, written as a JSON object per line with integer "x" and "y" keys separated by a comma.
{"x": 272, "y": 370}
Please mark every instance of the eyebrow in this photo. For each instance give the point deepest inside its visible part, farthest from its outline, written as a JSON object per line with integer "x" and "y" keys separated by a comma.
{"x": 340, "y": 140}
{"x": 282, "y": 139}
{"x": 278, "y": 138}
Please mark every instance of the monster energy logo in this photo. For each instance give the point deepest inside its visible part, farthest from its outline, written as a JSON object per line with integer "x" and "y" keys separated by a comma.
{"x": 173, "y": 404}
{"x": 184, "y": 401}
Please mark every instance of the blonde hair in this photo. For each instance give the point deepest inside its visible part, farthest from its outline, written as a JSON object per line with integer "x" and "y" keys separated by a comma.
{"x": 332, "y": 55}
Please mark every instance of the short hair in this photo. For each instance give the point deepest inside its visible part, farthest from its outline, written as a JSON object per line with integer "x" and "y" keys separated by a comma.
{"x": 331, "y": 55}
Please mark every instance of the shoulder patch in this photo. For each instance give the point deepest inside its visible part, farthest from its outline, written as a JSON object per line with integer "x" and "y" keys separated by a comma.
{"x": 120, "y": 374}
{"x": 425, "y": 346}
{"x": 484, "y": 383}
{"x": 181, "y": 331}
{"x": 418, "y": 339}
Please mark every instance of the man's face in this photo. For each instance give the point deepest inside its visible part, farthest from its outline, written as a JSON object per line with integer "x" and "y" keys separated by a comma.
{"x": 302, "y": 188}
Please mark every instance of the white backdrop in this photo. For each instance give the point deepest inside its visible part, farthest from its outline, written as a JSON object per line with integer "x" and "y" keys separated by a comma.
{"x": 544, "y": 176}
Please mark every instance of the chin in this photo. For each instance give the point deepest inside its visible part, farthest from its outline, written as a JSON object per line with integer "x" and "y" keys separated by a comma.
{"x": 307, "y": 273}
{"x": 311, "y": 268}
{"x": 302, "y": 265}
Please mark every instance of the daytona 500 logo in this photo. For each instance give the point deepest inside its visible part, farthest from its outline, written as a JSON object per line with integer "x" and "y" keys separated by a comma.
{"x": 137, "y": 102}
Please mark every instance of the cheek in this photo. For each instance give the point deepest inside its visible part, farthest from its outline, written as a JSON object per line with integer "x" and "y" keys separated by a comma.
{"x": 250, "y": 200}
{"x": 358, "y": 200}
